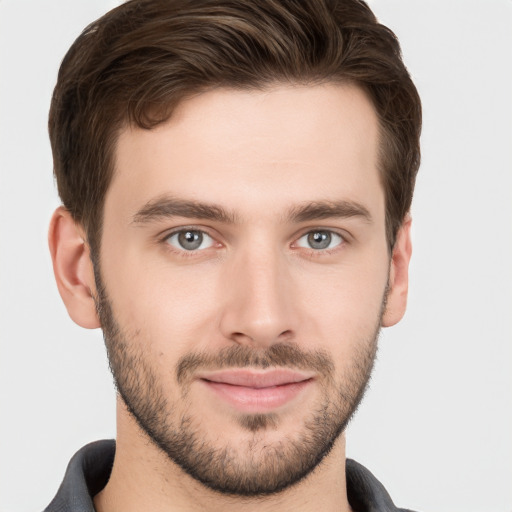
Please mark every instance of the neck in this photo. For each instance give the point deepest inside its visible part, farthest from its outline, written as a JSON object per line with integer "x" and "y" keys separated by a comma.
{"x": 144, "y": 478}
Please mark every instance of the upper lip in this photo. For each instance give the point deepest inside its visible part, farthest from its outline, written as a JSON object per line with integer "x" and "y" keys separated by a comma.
{"x": 256, "y": 378}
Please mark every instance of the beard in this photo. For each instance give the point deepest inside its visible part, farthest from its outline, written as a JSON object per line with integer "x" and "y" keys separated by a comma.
{"x": 258, "y": 467}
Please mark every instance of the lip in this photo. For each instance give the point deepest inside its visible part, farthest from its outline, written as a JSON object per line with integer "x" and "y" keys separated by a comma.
{"x": 253, "y": 391}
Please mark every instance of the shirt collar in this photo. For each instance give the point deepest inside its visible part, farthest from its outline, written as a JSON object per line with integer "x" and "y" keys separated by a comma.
{"x": 89, "y": 470}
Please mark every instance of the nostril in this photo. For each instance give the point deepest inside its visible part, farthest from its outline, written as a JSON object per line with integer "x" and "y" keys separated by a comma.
{"x": 240, "y": 337}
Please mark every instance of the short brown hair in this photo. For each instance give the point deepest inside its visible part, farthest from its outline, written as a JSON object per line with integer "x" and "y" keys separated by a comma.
{"x": 134, "y": 64}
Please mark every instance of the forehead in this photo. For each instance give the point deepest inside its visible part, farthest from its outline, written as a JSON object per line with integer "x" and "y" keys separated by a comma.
{"x": 260, "y": 149}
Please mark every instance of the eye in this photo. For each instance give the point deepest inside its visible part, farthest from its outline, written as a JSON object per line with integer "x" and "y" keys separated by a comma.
{"x": 320, "y": 240}
{"x": 190, "y": 240}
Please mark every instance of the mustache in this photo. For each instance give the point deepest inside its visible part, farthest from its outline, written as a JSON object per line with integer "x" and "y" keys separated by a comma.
{"x": 241, "y": 356}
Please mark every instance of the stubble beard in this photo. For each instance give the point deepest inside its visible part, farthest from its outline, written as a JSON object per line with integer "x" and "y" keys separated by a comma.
{"x": 261, "y": 468}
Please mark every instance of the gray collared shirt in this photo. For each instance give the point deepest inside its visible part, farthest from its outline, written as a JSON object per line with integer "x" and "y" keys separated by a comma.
{"x": 89, "y": 470}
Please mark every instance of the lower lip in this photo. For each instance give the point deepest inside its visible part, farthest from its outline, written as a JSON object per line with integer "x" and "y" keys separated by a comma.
{"x": 257, "y": 400}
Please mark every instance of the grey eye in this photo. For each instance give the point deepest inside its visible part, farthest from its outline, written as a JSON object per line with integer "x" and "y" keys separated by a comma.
{"x": 320, "y": 239}
{"x": 190, "y": 240}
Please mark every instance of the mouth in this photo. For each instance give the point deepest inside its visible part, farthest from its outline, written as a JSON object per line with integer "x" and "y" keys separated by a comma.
{"x": 252, "y": 391}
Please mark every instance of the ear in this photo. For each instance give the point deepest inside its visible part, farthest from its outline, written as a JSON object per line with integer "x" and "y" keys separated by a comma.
{"x": 73, "y": 268}
{"x": 398, "y": 276}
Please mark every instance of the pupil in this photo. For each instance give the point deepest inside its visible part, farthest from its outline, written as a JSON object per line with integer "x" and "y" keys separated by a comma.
{"x": 190, "y": 239}
{"x": 319, "y": 239}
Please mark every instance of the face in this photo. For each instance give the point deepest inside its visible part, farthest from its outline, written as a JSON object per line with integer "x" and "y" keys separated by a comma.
{"x": 242, "y": 280}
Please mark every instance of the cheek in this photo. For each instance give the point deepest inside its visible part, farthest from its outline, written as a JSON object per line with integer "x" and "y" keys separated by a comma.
{"x": 344, "y": 304}
{"x": 163, "y": 306}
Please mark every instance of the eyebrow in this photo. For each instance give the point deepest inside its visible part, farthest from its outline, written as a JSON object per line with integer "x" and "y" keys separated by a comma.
{"x": 318, "y": 210}
{"x": 168, "y": 207}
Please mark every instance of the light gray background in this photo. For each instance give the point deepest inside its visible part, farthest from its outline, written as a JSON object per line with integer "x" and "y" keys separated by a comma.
{"x": 436, "y": 425}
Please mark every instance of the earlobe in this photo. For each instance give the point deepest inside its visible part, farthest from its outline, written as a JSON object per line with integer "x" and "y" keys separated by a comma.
{"x": 73, "y": 268}
{"x": 398, "y": 276}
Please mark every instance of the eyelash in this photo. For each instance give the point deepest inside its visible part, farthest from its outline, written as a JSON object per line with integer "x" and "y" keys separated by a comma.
{"x": 311, "y": 252}
{"x": 325, "y": 251}
{"x": 183, "y": 252}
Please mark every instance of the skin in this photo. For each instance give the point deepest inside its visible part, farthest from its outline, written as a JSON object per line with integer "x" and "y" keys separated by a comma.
{"x": 259, "y": 155}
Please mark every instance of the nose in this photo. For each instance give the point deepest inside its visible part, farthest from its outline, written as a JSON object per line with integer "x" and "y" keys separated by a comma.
{"x": 258, "y": 300}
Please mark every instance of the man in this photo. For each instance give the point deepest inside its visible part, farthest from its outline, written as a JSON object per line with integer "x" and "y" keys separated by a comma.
{"x": 236, "y": 179}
